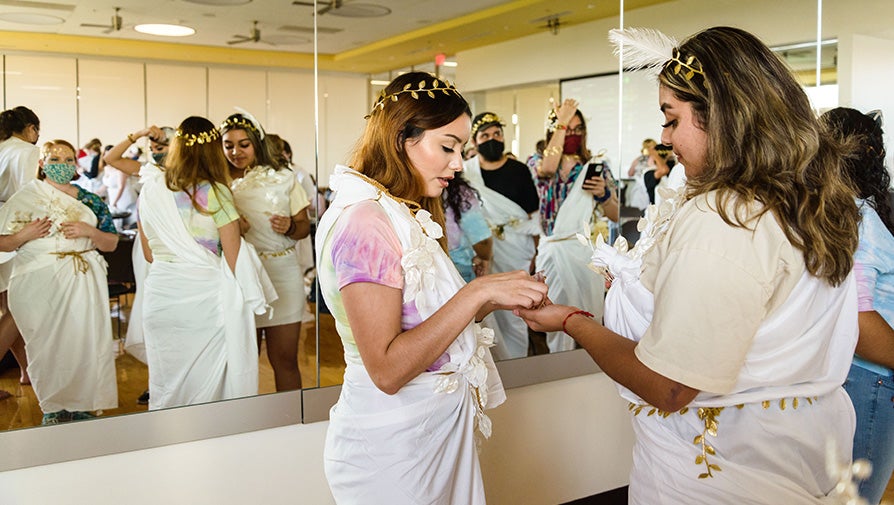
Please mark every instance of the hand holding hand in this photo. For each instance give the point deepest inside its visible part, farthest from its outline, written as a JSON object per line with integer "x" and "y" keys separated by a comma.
{"x": 76, "y": 229}
{"x": 511, "y": 290}
{"x": 38, "y": 228}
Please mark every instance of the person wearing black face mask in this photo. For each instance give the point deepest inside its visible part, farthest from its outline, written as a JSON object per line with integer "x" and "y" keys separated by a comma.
{"x": 566, "y": 199}
{"x": 510, "y": 205}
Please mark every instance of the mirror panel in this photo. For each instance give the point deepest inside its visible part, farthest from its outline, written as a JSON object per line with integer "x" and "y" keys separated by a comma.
{"x": 864, "y": 40}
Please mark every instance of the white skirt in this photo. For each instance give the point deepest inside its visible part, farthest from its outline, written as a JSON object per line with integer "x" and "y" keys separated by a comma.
{"x": 288, "y": 280}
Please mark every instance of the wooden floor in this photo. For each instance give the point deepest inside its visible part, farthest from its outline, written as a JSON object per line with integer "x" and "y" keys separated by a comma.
{"x": 22, "y": 410}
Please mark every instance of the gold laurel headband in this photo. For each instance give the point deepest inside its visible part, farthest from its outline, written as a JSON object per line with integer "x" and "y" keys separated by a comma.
{"x": 421, "y": 89}
{"x": 206, "y": 137}
{"x": 488, "y": 118}
{"x": 691, "y": 65}
{"x": 239, "y": 123}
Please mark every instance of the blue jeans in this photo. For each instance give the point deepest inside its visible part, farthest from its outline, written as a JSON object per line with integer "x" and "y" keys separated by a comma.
{"x": 873, "y": 398}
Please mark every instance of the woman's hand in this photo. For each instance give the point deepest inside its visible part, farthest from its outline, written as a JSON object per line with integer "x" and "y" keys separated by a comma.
{"x": 595, "y": 186}
{"x": 549, "y": 317}
{"x": 566, "y": 111}
{"x": 280, "y": 224}
{"x": 77, "y": 229}
{"x": 38, "y": 228}
{"x": 509, "y": 291}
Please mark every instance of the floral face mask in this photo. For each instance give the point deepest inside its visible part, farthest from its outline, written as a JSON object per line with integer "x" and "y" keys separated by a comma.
{"x": 60, "y": 173}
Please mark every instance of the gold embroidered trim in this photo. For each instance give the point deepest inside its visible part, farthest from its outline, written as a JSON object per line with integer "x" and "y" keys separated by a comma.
{"x": 709, "y": 415}
{"x": 499, "y": 230}
{"x": 80, "y": 264}
{"x": 414, "y": 207}
{"x": 277, "y": 254}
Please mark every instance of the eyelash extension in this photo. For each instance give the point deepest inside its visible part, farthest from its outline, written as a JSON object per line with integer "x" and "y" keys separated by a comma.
{"x": 669, "y": 123}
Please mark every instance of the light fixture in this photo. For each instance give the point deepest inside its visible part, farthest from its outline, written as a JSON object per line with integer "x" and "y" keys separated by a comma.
{"x": 27, "y": 18}
{"x": 164, "y": 30}
{"x": 449, "y": 64}
{"x": 377, "y": 82}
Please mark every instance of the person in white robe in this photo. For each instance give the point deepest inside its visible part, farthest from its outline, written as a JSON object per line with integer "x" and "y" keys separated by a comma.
{"x": 58, "y": 290}
{"x": 516, "y": 230}
{"x": 205, "y": 284}
{"x": 274, "y": 214}
{"x": 19, "y": 156}
{"x": 419, "y": 370}
{"x": 570, "y": 203}
{"x": 729, "y": 325}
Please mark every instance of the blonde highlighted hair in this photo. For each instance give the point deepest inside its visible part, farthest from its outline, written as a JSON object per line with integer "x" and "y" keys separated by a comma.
{"x": 187, "y": 166}
{"x": 766, "y": 145}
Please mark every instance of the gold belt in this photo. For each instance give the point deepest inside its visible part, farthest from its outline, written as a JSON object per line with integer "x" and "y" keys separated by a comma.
{"x": 80, "y": 264}
{"x": 709, "y": 415}
{"x": 277, "y": 254}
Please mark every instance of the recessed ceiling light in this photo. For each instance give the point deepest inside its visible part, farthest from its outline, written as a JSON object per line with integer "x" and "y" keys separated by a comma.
{"x": 165, "y": 30}
{"x": 27, "y": 18}
{"x": 219, "y": 2}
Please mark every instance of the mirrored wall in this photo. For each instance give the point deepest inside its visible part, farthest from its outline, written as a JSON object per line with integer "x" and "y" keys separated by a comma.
{"x": 519, "y": 79}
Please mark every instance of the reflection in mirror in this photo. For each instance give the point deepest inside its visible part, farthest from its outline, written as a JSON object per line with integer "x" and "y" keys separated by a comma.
{"x": 481, "y": 72}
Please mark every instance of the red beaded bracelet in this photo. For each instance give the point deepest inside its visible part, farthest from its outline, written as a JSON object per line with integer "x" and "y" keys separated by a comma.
{"x": 581, "y": 312}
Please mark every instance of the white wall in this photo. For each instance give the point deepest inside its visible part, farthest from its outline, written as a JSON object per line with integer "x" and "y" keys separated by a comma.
{"x": 78, "y": 99}
{"x": 552, "y": 443}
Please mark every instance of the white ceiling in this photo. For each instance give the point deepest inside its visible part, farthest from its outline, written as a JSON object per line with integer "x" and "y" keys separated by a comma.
{"x": 279, "y": 21}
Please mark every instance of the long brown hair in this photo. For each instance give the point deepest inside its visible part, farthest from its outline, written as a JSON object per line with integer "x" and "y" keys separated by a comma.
{"x": 765, "y": 144}
{"x": 380, "y": 153}
{"x": 187, "y": 166}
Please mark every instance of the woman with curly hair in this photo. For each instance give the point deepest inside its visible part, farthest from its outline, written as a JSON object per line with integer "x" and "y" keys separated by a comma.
{"x": 730, "y": 326}
{"x": 870, "y": 382}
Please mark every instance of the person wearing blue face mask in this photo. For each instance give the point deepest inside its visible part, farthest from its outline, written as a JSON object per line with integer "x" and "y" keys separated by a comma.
{"x": 55, "y": 229}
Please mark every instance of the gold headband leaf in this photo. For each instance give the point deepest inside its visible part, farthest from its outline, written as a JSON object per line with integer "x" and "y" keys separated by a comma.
{"x": 206, "y": 137}
{"x": 436, "y": 85}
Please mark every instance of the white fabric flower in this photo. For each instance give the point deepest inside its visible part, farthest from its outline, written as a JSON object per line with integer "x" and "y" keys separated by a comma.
{"x": 431, "y": 228}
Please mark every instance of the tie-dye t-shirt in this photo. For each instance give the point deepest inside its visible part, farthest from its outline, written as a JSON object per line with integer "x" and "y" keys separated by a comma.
{"x": 363, "y": 247}
{"x": 202, "y": 226}
{"x": 874, "y": 269}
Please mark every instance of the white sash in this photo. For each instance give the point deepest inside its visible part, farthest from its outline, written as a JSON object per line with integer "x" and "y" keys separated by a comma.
{"x": 241, "y": 295}
{"x": 513, "y": 249}
{"x": 564, "y": 262}
{"x": 447, "y": 402}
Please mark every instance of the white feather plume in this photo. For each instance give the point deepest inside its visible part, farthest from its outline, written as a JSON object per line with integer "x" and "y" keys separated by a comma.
{"x": 255, "y": 122}
{"x": 643, "y": 48}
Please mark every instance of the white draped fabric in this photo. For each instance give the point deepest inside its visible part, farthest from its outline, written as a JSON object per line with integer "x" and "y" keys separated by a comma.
{"x": 418, "y": 445}
{"x": 134, "y": 341}
{"x": 198, "y": 316}
{"x": 513, "y": 249}
{"x": 58, "y": 295}
{"x": 259, "y": 194}
{"x": 564, "y": 262}
{"x": 771, "y": 431}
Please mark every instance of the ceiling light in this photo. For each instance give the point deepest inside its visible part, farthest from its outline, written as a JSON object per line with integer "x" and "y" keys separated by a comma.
{"x": 26, "y": 18}
{"x": 219, "y": 2}
{"x": 164, "y": 30}
{"x": 377, "y": 82}
{"x": 449, "y": 64}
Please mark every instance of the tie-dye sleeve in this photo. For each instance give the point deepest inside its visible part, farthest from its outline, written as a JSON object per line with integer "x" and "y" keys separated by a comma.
{"x": 365, "y": 247}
